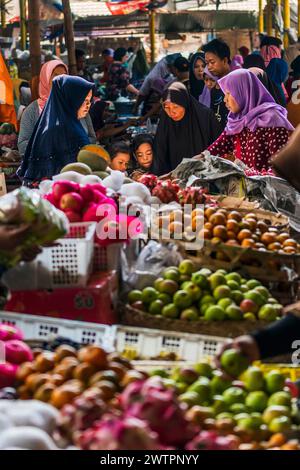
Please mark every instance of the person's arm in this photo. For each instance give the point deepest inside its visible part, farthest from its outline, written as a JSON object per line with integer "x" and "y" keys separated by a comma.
{"x": 222, "y": 146}
{"x": 28, "y": 121}
{"x": 153, "y": 111}
{"x": 110, "y": 131}
{"x": 132, "y": 89}
{"x": 90, "y": 129}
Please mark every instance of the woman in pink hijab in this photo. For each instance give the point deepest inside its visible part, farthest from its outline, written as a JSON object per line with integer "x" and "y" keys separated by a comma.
{"x": 30, "y": 116}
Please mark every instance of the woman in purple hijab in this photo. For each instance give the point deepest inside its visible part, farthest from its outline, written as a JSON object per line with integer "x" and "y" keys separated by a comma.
{"x": 210, "y": 81}
{"x": 257, "y": 127}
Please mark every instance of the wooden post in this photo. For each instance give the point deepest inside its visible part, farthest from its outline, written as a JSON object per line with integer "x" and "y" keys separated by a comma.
{"x": 69, "y": 37}
{"x": 3, "y": 15}
{"x": 287, "y": 22}
{"x": 269, "y": 18}
{"x": 298, "y": 18}
{"x": 278, "y": 34}
{"x": 22, "y": 4}
{"x": 34, "y": 44}
{"x": 152, "y": 35}
{"x": 261, "y": 16}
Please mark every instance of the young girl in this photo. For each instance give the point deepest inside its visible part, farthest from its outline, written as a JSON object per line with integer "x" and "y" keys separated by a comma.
{"x": 210, "y": 82}
{"x": 142, "y": 150}
{"x": 120, "y": 156}
{"x": 257, "y": 127}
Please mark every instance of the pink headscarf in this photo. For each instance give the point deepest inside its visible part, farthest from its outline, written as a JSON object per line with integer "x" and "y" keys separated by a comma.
{"x": 237, "y": 62}
{"x": 44, "y": 85}
{"x": 270, "y": 52}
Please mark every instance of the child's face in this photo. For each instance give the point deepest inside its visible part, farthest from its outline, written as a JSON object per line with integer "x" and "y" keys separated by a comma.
{"x": 120, "y": 161}
{"x": 144, "y": 155}
{"x": 209, "y": 82}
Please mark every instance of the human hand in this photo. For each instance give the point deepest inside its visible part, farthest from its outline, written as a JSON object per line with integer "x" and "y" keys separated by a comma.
{"x": 245, "y": 344}
{"x": 11, "y": 236}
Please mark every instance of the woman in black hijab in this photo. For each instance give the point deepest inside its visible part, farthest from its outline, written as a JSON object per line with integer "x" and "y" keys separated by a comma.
{"x": 197, "y": 66}
{"x": 186, "y": 128}
{"x": 254, "y": 60}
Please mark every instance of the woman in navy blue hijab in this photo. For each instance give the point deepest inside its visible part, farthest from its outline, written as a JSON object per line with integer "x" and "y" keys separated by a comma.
{"x": 58, "y": 135}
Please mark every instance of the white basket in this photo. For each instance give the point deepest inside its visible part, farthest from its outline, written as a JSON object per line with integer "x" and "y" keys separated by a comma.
{"x": 43, "y": 328}
{"x": 69, "y": 264}
{"x": 107, "y": 258}
{"x": 146, "y": 343}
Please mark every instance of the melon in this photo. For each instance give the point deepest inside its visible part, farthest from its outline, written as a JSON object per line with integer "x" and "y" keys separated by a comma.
{"x": 78, "y": 167}
{"x": 101, "y": 174}
{"x": 93, "y": 160}
{"x": 98, "y": 150}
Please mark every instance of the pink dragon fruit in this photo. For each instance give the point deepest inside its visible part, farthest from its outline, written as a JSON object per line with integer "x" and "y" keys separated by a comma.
{"x": 150, "y": 401}
{"x": 148, "y": 180}
{"x": 210, "y": 440}
{"x": 166, "y": 191}
{"x": 8, "y": 332}
{"x": 192, "y": 195}
{"x": 117, "y": 433}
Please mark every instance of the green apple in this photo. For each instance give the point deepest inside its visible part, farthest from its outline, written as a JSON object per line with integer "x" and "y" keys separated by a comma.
{"x": 252, "y": 283}
{"x": 234, "y": 395}
{"x": 280, "y": 424}
{"x": 225, "y": 415}
{"x": 205, "y": 272}
{"x": 214, "y": 313}
{"x": 193, "y": 290}
{"x": 219, "y": 405}
{"x": 256, "y": 297}
{"x": 244, "y": 288}
{"x": 257, "y": 401}
{"x": 165, "y": 298}
{"x": 134, "y": 296}
{"x": 207, "y": 299}
{"x": 280, "y": 398}
{"x": 217, "y": 279}
{"x": 187, "y": 375}
{"x": 200, "y": 280}
{"x": 251, "y": 423}
{"x": 233, "y": 312}
{"x": 167, "y": 286}
{"x": 172, "y": 274}
{"x": 238, "y": 408}
{"x": 184, "y": 278}
{"x": 234, "y": 362}
{"x": 149, "y": 294}
{"x": 186, "y": 267}
{"x": 237, "y": 296}
{"x": 190, "y": 398}
{"x": 170, "y": 311}
{"x": 238, "y": 417}
{"x": 233, "y": 285}
{"x": 263, "y": 291}
{"x": 275, "y": 381}
{"x": 224, "y": 303}
{"x": 202, "y": 388}
{"x": 275, "y": 411}
{"x": 249, "y": 316}
{"x": 253, "y": 379}
{"x": 233, "y": 277}
{"x": 157, "y": 283}
{"x": 267, "y": 313}
{"x": 181, "y": 387}
{"x": 221, "y": 292}
{"x": 190, "y": 314}
{"x": 222, "y": 271}
{"x": 204, "y": 369}
{"x": 182, "y": 299}
{"x": 155, "y": 308}
{"x": 219, "y": 383}
{"x": 204, "y": 307}
{"x": 159, "y": 372}
{"x": 170, "y": 383}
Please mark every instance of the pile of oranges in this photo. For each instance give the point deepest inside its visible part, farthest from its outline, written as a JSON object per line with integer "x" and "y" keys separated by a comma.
{"x": 232, "y": 228}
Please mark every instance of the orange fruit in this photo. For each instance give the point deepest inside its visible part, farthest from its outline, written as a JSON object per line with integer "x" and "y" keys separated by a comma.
{"x": 245, "y": 233}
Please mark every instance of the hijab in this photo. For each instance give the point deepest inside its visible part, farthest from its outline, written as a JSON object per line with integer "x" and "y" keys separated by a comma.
{"x": 270, "y": 52}
{"x": 160, "y": 70}
{"x": 257, "y": 107}
{"x": 254, "y": 60}
{"x": 205, "y": 97}
{"x": 278, "y": 71}
{"x": 268, "y": 84}
{"x": 196, "y": 85}
{"x": 186, "y": 138}
{"x": 237, "y": 62}
{"x": 58, "y": 134}
{"x": 45, "y": 77}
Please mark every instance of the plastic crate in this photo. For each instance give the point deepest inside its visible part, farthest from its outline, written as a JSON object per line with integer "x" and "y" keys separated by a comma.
{"x": 65, "y": 265}
{"x": 107, "y": 258}
{"x": 146, "y": 343}
{"x": 43, "y": 328}
{"x": 290, "y": 371}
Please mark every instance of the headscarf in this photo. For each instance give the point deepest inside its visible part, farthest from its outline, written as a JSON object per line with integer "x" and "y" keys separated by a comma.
{"x": 205, "y": 96}
{"x": 278, "y": 71}
{"x": 257, "y": 107}
{"x": 270, "y": 52}
{"x": 186, "y": 138}
{"x": 58, "y": 135}
{"x": 268, "y": 84}
{"x": 160, "y": 70}
{"x": 196, "y": 85}
{"x": 45, "y": 76}
{"x": 237, "y": 62}
{"x": 254, "y": 60}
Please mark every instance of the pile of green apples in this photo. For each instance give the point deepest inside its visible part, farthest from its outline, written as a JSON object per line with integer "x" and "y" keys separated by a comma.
{"x": 246, "y": 401}
{"x": 185, "y": 293}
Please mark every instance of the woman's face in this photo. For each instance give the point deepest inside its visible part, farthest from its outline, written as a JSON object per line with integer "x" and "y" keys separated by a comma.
{"x": 174, "y": 111}
{"x": 230, "y": 103}
{"x": 209, "y": 82}
{"x": 59, "y": 70}
{"x": 144, "y": 155}
{"x": 199, "y": 67}
{"x": 85, "y": 107}
{"x": 120, "y": 162}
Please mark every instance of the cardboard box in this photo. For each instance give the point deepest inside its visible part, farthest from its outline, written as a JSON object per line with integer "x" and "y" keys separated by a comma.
{"x": 93, "y": 303}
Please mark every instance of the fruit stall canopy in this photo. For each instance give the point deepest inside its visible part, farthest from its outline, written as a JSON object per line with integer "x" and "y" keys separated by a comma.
{"x": 192, "y": 21}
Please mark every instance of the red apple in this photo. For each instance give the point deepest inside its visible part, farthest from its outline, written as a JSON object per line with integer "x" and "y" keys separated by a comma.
{"x": 73, "y": 216}
{"x": 248, "y": 305}
{"x": 9, "y": 332}
{"x": 7, "y": 374}
{"x": 87, "y": 193}
{"x": 63, "y": 187}
{"x": 71, "y": 201}
{"x": 17, "y": 351}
